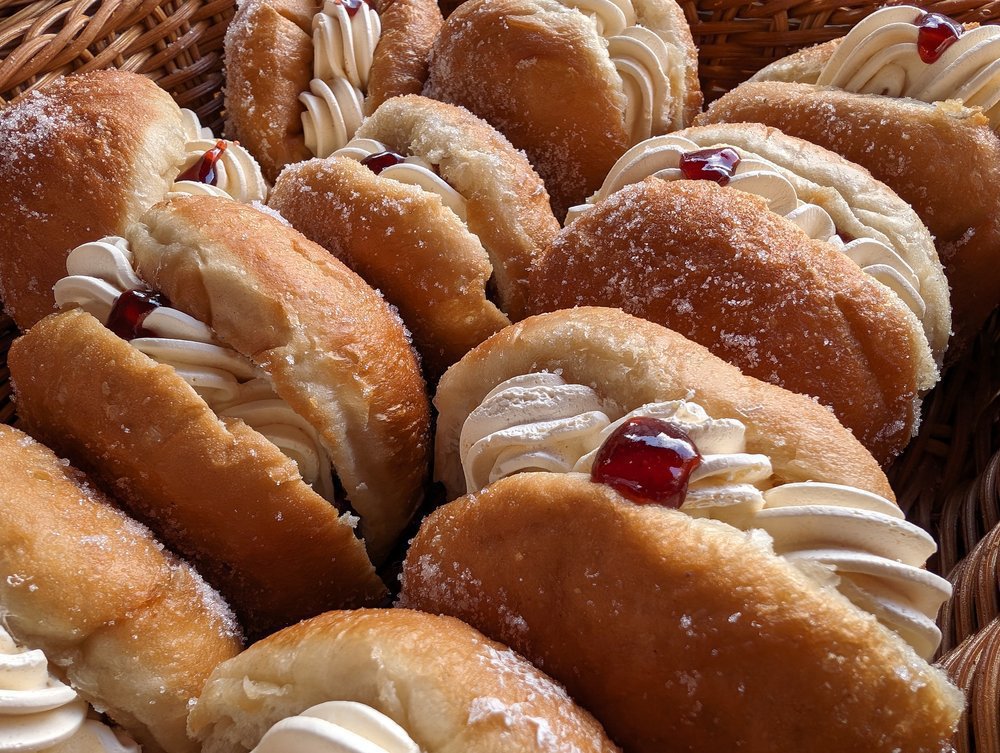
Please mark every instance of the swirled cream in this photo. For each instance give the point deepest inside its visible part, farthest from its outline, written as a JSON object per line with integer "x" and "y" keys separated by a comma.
{"x": 337, "y": 727}
{"x": 660, "y": 157}
{"x": 881, "y": 55}
{"x": 345, "y": 34}
{"x": 412, "y": 170}
{"x": 236, "y": 174}
{"x": 99, "y": 273}
{"x": 40, "y": 713}
{"x": 537, "y": 422}
{"x": 645, "y": 63}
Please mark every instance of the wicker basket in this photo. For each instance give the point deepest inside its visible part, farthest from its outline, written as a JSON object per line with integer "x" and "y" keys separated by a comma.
{"x": 949, "y": 478}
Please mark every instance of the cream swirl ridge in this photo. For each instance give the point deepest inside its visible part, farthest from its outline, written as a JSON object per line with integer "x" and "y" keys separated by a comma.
{"x": 337, "y": 727}
{"x": 101, "y": 271}
{"x": 412, "y": 170}
{"x": 237, "y": 174}
{"x": 345, "y": 35}
{"x": 40, "y": 713}
{"x": 881, "y": 56}
{"x": 537, "y": 422}
{"x": 660, "y": 157}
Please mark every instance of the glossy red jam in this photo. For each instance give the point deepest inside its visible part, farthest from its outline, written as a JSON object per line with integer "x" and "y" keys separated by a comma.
{"x": 647, "y": 460}
{"x": 351, "y": 6}
{"x": 718, "y": 165}
{"x": 203, "y": 171}
{"x": 379, "y": 161}
{"x": 130, "y": 311}
{"x": 937, "y": 33}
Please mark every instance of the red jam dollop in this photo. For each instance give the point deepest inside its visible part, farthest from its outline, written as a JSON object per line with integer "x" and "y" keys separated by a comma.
{"x": 379, "y": 161}
{"x": 130, "y": 311}
{"x": 647, "y": 460}
{"x": 718, "y": 165}
{"x": 937, "y": 33}
{"x": 351, "y": 6}
{"x": 203, "y": 171}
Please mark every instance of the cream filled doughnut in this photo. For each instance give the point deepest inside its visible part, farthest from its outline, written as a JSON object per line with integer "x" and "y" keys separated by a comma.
{"x": 731, "y": 270}
{"x": 434, "y": 208}
{"x": 84, "y": 157}
{"x": 912, "y": 96}
{"x": 97, "y": 612}
{"x": 394, "y": 681}
{"x": 783, "y": 583}
{"x": 302, "y": 74}
{"x": 322, "y": 423}
{"x": 573, "y": 83}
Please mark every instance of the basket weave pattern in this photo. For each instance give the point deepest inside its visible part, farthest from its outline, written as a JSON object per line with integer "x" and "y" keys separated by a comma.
{"x": 948, "y": 480}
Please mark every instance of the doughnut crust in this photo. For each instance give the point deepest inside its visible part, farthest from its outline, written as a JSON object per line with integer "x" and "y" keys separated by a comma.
{"x": 676, "y": 633}
{"x": 215, "y": 491}
{"x": 720, "y": 268}
{"x": 335, "y": 351}
{"x": 938, "y": 158}
{"x": 136, "y": 631}
{"x": 538, "y": 71}
{"x": 269, "y": 62}
{"x": 79, "y": 160}
{"x": 404, "y": 241}
{"x": 859, "y": 205}
{"x": 633, "y": 362}
{"x": 451, "y": 688}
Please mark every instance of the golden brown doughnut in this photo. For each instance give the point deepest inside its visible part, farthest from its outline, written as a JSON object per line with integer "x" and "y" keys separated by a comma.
{"x": 269, "y": 63}
{"x": 85, "y": 156}
{"x": 436, "y": 268}
{"x": 217, "y": 492}
{"x": 136, "y": 631}
{"x": 540, "y": 72}
{"x": 676, "y": 633}
{"x": 81, "y": 159}
{"x": 719, "y": 267}
{"x": 449, "y": 687}
{"x": 937, "y": 157}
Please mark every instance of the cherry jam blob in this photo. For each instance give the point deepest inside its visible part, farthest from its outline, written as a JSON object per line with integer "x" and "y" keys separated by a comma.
{"x": 937, "y": 33}
{"x": 647, "y": 460}
{"x": 130, "y": 311}
{"x": 351, "y": 6}
{"x": 203, "y": 171}
{"x": 717, "y": 165}
{"x": 379, "y": 161}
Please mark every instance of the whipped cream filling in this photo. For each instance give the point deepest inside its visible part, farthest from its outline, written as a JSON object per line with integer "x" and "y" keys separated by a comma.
{"x": 537, "y": 422}
{"x": 413, "y": 170}
{"x": 99, "y": 272}
{"x": 660, "y": 157}
{"x": 237, "y": 174}
{"x": 880, "y": 56}
{"x": 344, "y": 41}
{"x": 40, "y": 713}
{"x": 643, "y": 61}
{"x": 337, "y": 727}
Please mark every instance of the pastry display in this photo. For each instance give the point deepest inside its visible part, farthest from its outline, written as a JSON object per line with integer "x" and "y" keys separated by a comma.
{"x": 760, "y": 246}
{"x": 83, "y": 158}
{"x": 301, "y": 74}
{"x": 730, "y": 568}
{"x": 911, "y": 96}
{"x": 435, "y": 209}
{"x": 572, "y": 83}
{"x": 87, "y": 594}
{"x": 387, "y": 680}
{"x": 324, "y": 419}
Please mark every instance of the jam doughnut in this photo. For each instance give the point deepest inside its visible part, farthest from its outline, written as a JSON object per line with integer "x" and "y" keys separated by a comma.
{"x": 708, "y": 562}
{"x": 906, "y": 94}
{"x": 324, "y": 419}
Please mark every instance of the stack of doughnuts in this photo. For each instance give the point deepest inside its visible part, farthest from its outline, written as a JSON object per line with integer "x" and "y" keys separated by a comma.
{"x": 237, "y": 341}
